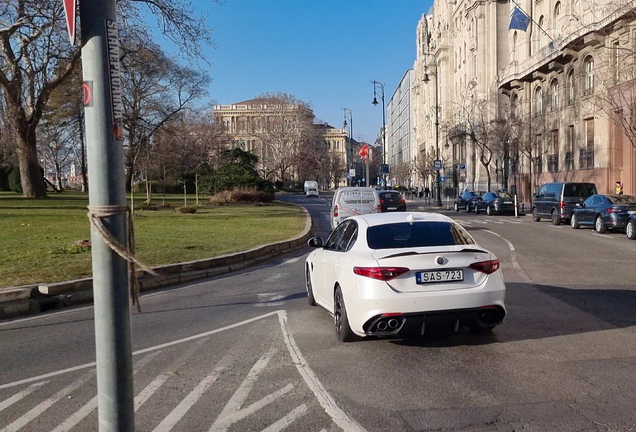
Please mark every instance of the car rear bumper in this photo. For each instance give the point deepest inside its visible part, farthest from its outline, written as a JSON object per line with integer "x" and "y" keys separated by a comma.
{"x": 374, "y": 298}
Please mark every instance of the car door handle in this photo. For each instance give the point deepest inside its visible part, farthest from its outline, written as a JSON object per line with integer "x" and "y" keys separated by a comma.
{"x": 324, "y": 261}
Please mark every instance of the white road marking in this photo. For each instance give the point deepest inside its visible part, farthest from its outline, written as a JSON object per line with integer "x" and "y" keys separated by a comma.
{"x": 188, "y": 402}
{"x": 289, "y": 261}
{"x": 275, "y": 304}
{"x": 510, "y": 245}
{"x": 478, "y": 221}
{"x": 605, "y": 236}
{"x": 89, "y": 406}
{"x": 288, "y": 419}
{"x": 555, "y": 226}
{"x": 493, "y": 221}
{"x": 143, "y": 351}
{"x": 276, "y": 277}
{"x": 512, "y": 222}
{"x": 232, "y": 411}
{"x": 156, "y": 383}
{"x": 21, "y": 395}
{"x": 324, "y": 398}
{"x": 48, "y": 403}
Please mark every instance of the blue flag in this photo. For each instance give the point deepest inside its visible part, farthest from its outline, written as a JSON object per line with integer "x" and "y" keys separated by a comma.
{"x": 519, "y": 20}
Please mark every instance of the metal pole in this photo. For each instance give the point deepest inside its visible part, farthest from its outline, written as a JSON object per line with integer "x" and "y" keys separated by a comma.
{"x": 100, "y": 64}
{"x": 438, "y": 202}
{"x": 384, "y": 133}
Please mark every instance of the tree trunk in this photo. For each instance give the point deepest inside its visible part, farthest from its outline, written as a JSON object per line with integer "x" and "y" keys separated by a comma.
{"x": 30, "y": 175}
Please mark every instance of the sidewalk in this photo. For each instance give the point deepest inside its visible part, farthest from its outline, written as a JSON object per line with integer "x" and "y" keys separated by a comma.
{"x": 36, "y": 298}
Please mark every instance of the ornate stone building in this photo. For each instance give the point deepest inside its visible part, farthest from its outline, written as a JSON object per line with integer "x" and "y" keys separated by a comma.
{"x": 563, "y": 89}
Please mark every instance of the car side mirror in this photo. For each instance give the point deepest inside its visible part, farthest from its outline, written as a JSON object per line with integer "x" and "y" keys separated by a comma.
{"x": 581, "y": 205}
{"x": 315, "y": 242}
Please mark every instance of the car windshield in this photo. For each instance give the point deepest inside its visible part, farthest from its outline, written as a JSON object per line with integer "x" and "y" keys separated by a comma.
{"x": 418, "y": 234}
{"x": 579, "y": 190}
{"x": 622, "y": 199}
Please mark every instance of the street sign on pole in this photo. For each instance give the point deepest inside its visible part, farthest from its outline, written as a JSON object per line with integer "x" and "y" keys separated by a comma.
{"x": 437, "y": 164}
{"x": 70, "y": 10}
{"x": 385, "y": 168}
{"x": 352, "y": 172}
{"x": 462, "y": 166}
{"x": 442, "y": 179}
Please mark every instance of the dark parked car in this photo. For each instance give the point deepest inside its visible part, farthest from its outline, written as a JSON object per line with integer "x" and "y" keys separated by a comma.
{"x": 558, "y": 200}
{"x": 496, "y": 203}
{"x": 604, "y": 212}
{"x": 466, "y": 201}
{"x": 391, "y": 200}
{"x": 630, "y": 228}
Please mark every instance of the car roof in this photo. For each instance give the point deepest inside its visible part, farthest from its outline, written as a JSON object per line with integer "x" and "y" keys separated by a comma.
{"x": 388, "y": 190}
{"x": 374, "y": 219}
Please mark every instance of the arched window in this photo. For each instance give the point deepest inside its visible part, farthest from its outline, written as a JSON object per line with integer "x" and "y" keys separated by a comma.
{"x": 539, "y": 100}
{"x": 557, "y": 15}
{"x": 589, "y": 75}
{"x": 540, "y": 31}
{"x": 515, "y": 47}
{"x": 571, "y": 87}
{"x": 554, "y": 90}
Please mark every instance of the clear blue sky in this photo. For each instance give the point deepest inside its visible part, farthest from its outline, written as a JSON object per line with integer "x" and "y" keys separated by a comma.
{"x": 323, "y": 52}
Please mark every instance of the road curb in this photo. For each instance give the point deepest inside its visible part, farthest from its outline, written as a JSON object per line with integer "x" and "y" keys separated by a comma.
{"x": 36, "y": 298}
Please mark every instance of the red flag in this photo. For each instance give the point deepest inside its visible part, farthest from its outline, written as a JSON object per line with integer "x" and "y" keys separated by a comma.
{"x": 364, "y": 151}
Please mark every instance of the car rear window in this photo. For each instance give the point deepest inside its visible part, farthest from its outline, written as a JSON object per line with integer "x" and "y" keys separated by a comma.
{"x": 390, "y": 195}
{"x": 579, "y": 190}
{"x": 417, "y": 234}
{"x": 622, "y": 199}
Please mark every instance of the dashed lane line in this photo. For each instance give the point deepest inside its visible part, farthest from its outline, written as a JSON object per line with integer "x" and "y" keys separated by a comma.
{"x": 605, "y": 236}
{"x": 513, "y": 257}
{"x": 288, "y": 419}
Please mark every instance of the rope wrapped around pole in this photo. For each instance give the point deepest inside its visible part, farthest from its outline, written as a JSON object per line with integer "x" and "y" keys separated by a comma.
{"x": 96, "y": 214}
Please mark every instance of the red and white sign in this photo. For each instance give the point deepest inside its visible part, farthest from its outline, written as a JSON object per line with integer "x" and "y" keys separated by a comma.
{"x": 70, "y": 10}
{"x": 364, "y": 151}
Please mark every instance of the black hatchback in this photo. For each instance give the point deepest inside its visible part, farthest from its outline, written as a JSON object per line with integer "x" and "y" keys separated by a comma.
{"x": 466, "y": 201}
{"x": 391, "y": 200}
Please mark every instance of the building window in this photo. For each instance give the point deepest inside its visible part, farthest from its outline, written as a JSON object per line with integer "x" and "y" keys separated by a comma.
{"x": 557, "y": 15}
{"x": 589, "y": 75}
{"x": 541, "y": 30}
{"x": 616, "y": 61}
{"x": 538, "y": 160}
{"x": 553, "y": 157}
{"x": 569, "y": 154}
{"x": 570, "y": 98}
{"x": 539, "y": 98}
{"x": 515, "y": 47}
{"x": 586, "y": 154}
{"x": 554, "y": 90}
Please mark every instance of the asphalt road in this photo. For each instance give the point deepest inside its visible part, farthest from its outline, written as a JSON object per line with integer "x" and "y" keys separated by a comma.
{"x": 245, "y": 352}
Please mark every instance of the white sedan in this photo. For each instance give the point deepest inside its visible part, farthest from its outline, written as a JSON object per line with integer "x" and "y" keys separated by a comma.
{"x": 389, "y": 274}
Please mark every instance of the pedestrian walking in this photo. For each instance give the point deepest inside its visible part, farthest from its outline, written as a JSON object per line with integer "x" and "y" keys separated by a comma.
{"x": 619, "y": 187}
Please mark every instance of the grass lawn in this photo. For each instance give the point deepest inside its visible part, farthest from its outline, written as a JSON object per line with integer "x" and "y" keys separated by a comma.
{"x": 38, "y": 236}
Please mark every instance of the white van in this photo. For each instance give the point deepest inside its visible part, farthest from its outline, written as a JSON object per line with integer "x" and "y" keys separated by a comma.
{"x": 311, "y": 188}
{"x": 352, "y": 201}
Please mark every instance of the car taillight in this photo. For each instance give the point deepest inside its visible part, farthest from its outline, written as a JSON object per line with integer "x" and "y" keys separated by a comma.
{"x": 487, "y": 267}
{"x": 381, "y": 201}
{"x": 402, "y": 201}
{"x": 562, "y": 204}
{"x": 380, "y": 273}
{"x": 379, "y": 209}
{"x": 615, "y": 210}
{"x": 335, "y": 211}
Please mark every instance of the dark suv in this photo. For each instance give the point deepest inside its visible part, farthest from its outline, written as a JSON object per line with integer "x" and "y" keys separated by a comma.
{"x": 557, "y": 200}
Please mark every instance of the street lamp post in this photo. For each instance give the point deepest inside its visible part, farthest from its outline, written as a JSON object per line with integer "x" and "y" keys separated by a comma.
{"x": 438, "y": 201}
{"x": 349, "y": 147}
{"x": 375, "y": 103}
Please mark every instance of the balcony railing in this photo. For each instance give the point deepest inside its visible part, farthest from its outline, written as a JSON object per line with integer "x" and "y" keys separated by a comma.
{"x": 586, "y": 158}
{"x": 569, "y": 161}
{"x": 553, "y": 163}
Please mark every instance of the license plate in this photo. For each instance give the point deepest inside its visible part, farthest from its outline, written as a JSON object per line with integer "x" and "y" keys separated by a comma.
{"x": 391, "y": 208}
{"x": 507, "y": 202}
{"x": 439, "y": 276}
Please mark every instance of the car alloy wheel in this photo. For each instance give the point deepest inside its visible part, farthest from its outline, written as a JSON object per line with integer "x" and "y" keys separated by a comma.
{"x": 599, "y": 225}
{"x": 467, "y": 207}
{"x": 488, "y": 211}
{"x": 574, "y": 222}
{"x": 535, "y": 216}
{"x": 343, "y": 331}
{"x": 310, "y": 291}
{"x": 630, "y": 230}
{"x": 556, "y": 219}
{"x": 456, "y": 207}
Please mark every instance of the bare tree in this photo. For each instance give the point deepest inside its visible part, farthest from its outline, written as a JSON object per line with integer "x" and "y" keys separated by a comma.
{"x": 36, "y": 57}
{"x": 286, "y": 127}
